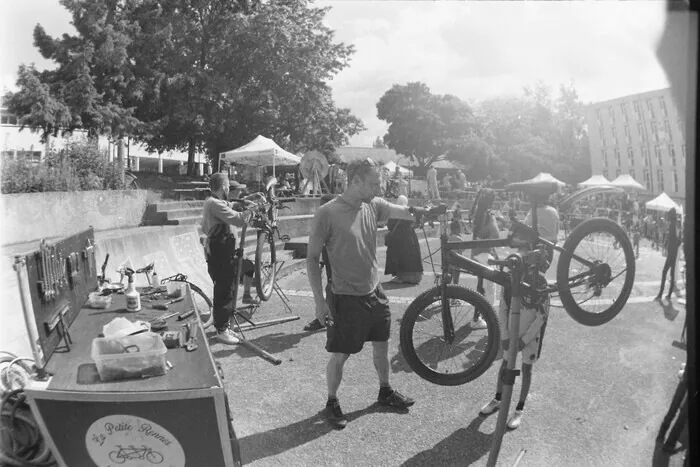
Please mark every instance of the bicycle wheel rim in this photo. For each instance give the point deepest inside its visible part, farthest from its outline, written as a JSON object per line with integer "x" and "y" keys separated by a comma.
{"x": 472, "y": 350}
{"x": 589, "y": 304}
{"x": 203, "y": 306}
{"x": 265, "y": 265}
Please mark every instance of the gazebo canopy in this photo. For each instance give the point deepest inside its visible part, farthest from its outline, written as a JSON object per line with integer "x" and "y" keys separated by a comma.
{"x": 260, "y": 152}
{"x": 391, "y": 166}
{"x": 546, "y": 177}
{"x": 626, "y": 181}
{"x": 663, "y": 203}
{"x": 596, "y": 180}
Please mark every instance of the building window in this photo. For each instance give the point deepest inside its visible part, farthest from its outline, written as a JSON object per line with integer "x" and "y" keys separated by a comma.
{"x": 675, "y": 181}
{"x": 647, "y": 180}
{"x": 632, "y": 174}
{"x": 623, "y": 109}
{"x": 8, "y": 119}
{"x": 660, "y": 178}
{"x": 611, "y": 112}
{"x": 655, "y": 131}
{"x": 662, "y": 104}
{"x": 650, "y": 106}
{"x": 637, "y": 111}
{"x": 667, "y": 129}
{"x": 630, "y": 157}
{"x": 602, "y": 133}
{"x": 642, "y": 133}
{"x": 645, "y": 153}
{"x": 627, "y": 133}
{"x": 618, "y": 172}
{"x": 657, "y": 153}
{"x": 598, "y": 117}
{"x": 617, "y": 157}
{"x": 672, "y": 152}
{"x": 605, "y": 157}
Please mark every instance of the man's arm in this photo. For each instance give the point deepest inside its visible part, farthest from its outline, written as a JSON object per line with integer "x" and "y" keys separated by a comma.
{"x": 225, "y": 213}
{"x": 313, "y": 267}
{"x": 386, "y": 210}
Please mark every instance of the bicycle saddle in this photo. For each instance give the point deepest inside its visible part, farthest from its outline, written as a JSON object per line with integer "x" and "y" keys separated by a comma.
{"x": 537, "y": 189}
{"x": 148, "y": 268}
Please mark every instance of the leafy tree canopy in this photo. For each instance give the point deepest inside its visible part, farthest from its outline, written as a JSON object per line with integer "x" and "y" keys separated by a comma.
{"x": 191, "y": 74}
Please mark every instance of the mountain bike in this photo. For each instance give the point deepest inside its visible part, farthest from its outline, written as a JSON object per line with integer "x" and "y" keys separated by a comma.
{"x": 266, "y": 208}
{"x": 436, "y": 338}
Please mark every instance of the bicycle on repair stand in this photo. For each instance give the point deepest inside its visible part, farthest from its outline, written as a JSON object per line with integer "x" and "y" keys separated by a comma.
{"x": 436, "y": 337}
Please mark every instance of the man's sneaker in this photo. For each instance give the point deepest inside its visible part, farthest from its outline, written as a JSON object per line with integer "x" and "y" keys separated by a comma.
{"x": 479, "y": 323}
{"x": 249, "y": 300}
{"x": 226, "y": 336}
{"x": 515, "y": 420}
{"x": 314, "y": 325}
{"x": 395, "y": 399}
{"x": 335, "y": 415}
{"x": 491, "y": 407}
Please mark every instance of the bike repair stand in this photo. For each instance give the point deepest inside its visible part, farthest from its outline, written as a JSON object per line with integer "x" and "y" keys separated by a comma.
{"x": 510, "y": 373}
{"x": 246, "y": 312}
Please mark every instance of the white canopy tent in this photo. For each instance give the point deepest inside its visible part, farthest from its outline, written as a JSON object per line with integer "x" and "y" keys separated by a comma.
{"x": 546, "y": 177}
{"x": 626, "y": 181}
{"x": 663, "y": 203}
{"x": 259, "y": 152}
{"x": 391, "y": 166}
{"x": 595, "y": 180}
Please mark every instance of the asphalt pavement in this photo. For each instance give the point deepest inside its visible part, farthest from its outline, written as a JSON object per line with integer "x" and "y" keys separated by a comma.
{"x": 597, "y": 399}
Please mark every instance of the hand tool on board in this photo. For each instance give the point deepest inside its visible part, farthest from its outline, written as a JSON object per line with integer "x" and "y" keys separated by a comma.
{"x": 191, "y": 343}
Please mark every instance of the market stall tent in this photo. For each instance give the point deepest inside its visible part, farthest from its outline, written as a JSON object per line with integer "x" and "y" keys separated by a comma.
{"x": 626, "y": 181}
{"x": 258, "y": 153}
{"x": 391, "y": 166}
{"x": 596, "y": 180}
{"x": 546, "y": 177}
{"x": 663, "y": 203}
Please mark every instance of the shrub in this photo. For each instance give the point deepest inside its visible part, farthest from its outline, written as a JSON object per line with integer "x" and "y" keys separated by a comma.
{"x": 78, "y": 166}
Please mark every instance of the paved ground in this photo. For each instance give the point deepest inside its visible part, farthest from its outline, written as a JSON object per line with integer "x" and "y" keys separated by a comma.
{"x": 597, "y": 398}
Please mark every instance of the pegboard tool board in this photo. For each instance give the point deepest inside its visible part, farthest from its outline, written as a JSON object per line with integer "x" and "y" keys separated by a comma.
{"x": 61, "y": 275}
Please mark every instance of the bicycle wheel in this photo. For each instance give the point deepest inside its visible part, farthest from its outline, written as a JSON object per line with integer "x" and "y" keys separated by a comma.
{"x": 600, "y": 296}
{"x": 203, "y": 306}
{"x": 422, "y": 338}
{"x": 265, "y": 264}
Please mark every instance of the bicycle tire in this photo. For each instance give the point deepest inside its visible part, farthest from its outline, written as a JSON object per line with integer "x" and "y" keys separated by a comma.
{"x": 203, "y": 306}
{"x": 417, "y": 309}
{"x": 572, "y": 307}
{"x": 264, "y": 271}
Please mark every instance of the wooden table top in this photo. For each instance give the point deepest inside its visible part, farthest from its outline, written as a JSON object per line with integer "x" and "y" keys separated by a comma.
{"x": 76, "y": 371}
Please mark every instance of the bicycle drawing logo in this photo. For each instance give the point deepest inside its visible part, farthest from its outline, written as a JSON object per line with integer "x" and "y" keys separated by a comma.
{"x": 133, "y": 453}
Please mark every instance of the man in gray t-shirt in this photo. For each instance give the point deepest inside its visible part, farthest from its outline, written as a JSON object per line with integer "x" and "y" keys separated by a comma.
{"x": 356, "y": 309}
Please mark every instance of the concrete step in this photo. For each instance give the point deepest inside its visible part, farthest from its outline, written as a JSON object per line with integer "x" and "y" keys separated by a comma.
{"x": 176, "y": 205}
{"x": 175, "y": 214}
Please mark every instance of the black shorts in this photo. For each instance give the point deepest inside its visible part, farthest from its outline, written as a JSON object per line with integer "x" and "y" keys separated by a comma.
{"x": 356, "y": 320}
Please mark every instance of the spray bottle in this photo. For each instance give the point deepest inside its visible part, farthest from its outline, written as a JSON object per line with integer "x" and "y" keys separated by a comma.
{"x": 155, "y": 278}
{"x": 133, "y": 298}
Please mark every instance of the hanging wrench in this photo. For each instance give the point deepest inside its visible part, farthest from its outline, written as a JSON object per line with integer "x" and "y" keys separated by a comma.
{"x": 44, "y": 270}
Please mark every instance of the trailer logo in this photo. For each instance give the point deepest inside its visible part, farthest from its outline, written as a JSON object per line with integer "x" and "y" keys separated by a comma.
{"x": 131, "y": 441}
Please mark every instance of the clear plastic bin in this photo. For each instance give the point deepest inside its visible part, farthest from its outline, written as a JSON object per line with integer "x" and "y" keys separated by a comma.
{"x": 138, "y": 356}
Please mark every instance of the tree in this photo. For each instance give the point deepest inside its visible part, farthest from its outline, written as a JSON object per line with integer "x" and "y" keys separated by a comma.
{"x": 191, "y": 75}
{"x": 378, "y": 143}
{"x": 424, "y": 126}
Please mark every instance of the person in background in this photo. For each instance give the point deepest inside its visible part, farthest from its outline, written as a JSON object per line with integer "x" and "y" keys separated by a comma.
{"x": 403, "y": 257}
{"x": 357, "y": 310}
{"x": 461, "y": 181}
{"x": 673, "y": 245}
{"x": 532, "y": 320}
{"x": 403, "y": 185}
{"x": 433, "y": 192}
{"x": 218, "y": 215}
{"x": 447, "y": 182}
{"x": 484, "y": 227}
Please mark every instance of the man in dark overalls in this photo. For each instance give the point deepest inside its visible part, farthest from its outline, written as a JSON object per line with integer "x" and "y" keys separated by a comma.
{"x": 220, "y": 246}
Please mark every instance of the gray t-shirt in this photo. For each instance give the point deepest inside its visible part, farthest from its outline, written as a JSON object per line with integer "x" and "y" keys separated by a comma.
{"x": 349, "y": 234}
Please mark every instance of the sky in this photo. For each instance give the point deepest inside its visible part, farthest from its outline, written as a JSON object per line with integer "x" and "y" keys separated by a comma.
{"x": 473, "y": 50}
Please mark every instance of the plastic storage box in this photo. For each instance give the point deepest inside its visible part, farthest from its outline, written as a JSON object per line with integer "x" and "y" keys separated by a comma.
{"x": 136, "y": 356}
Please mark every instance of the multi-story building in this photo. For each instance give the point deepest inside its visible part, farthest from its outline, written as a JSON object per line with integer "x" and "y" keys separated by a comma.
{"x": 641, "y": 135}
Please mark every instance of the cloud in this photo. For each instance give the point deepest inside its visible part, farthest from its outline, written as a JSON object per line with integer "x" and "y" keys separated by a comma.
{"x": 478, "y": 50}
